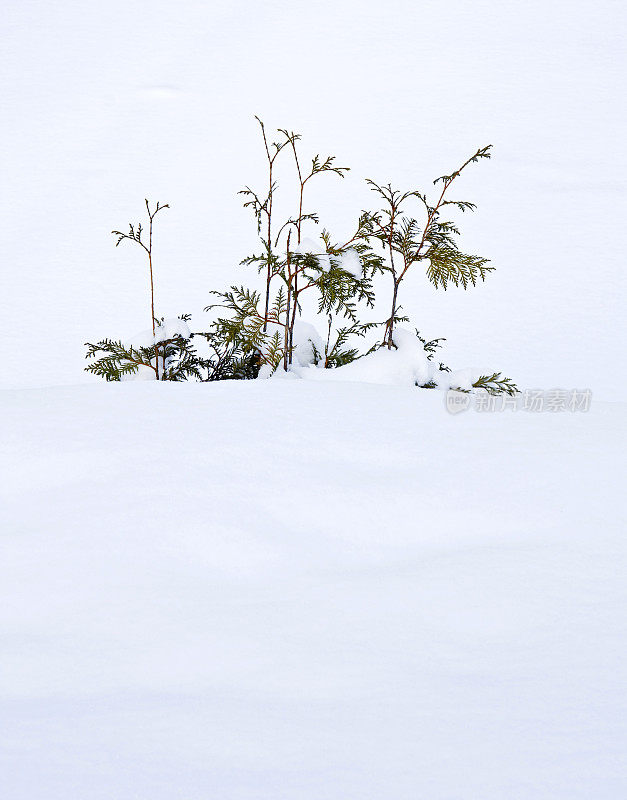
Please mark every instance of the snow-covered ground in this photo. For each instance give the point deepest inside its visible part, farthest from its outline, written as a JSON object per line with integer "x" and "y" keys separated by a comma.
{"x": 292, "y": 590}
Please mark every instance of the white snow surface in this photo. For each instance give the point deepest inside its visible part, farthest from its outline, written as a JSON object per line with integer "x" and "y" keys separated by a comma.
{"x": 404, "y": 365}
{"x": 274, "y": 590}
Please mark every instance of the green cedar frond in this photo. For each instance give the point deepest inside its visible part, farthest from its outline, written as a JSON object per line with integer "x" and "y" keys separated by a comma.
{"x": 318, "y": 165}
{"x": 338, "y": 355}
{"x": 482, "y": 152}
{"x": 244, "y": 328}
{"x": 449, "y": 265}
{"x": 117, "y": 359}
{"x": 392, "y": 198}
{"x": 308, "y": 217}
{"x": 430, "y": 347}
{"x": 460, "y": 204}
{"x": 495, "y": 384}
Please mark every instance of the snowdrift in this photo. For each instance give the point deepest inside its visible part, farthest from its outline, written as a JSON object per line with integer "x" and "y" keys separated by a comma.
{"x": 278, "y": 590}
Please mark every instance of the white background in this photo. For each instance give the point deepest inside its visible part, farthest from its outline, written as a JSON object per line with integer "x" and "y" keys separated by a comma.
{"x": 105, "y": 104}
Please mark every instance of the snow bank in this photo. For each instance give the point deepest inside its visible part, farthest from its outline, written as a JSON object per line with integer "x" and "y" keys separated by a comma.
{"x": 274, "y": 589}
{"x": 407, "y": 365}
{"x": 143, "y": 372}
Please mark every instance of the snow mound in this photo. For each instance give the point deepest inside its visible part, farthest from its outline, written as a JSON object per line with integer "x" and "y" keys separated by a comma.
{"x": 406, "y": 366}
{"x": 274, "y": 590}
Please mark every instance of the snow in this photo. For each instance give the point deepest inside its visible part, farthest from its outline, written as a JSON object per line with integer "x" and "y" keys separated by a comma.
{"x": 143, "y": 373}
{"x": 404, "y": 366}
{"x": 308, "y": 246}
{"x": 165, "y": 330}
{"x": 280, "y": 589}
{"x": 349, "y": 261}
{"x": 304, "y": 339}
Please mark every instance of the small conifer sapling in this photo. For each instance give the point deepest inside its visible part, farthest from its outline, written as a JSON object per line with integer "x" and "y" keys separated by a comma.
{"x": 407, "y": 242}
{"x": 135, "y": 235}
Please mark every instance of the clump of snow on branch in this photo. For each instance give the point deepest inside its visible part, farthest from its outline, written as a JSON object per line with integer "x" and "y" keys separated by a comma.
{"x": 350, "y": 262}
{"x": 310, "y": 247}
{"x": 306, "y": 338}
{"x": 165, "y": 330}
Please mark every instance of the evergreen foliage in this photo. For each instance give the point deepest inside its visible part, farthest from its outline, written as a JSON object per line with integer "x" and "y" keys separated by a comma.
{"x": 226, "y": 360}
{"x": 246, "y": 328}
{"x": 283, "y": 259}
{"x": 254, "y": 328}
{"x": 335, "y": 353}
{"x": 176, "y": 358}
{"x": 405, "y": 241}
{"x": 496, "y": 384}
{"x": 171, "y": 359}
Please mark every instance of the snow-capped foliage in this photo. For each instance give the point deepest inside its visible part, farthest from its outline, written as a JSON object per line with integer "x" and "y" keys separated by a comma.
{"x": 260, "y": 333}
{"x": 307, "y": 342}
{"x": 164, "y": 330}
{"x": 349, "y": 261}
{"x": 143, "y": 372}
{"x": 316, "y": 249}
